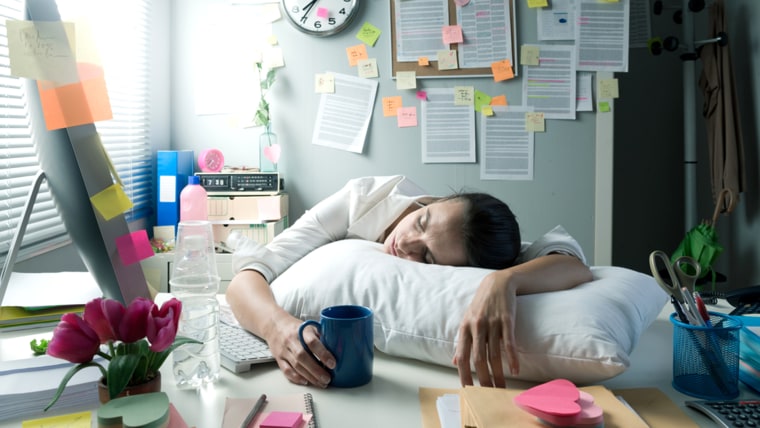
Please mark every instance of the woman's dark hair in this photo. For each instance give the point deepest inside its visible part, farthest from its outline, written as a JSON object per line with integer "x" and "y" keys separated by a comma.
{"x": 490, "y": 231}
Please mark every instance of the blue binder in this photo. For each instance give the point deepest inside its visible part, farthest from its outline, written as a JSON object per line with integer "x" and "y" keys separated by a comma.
{"x": 172, "y": 167}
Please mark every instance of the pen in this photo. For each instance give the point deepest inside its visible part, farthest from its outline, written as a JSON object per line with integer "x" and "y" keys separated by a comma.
{"x": 255, "y": 411}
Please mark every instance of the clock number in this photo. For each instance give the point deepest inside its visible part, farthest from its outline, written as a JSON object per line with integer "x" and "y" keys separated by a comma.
{"x": 342, "y": 11}
{"x": 295, "y": 9}
{"x": 317, "y": 24}
{"x": 304, "y": 19}
{"x": 331, "y": 21}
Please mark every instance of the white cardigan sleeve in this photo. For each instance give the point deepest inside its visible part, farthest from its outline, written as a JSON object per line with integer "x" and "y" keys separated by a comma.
{"x": 556, "y": 240}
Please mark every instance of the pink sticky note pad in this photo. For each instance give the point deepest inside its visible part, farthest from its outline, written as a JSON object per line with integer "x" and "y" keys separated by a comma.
{"x": 134, "y": 247}
{"x": 560, "y": 403}
{"x": 282, "y": 420}
{"x": 322, "y": 12}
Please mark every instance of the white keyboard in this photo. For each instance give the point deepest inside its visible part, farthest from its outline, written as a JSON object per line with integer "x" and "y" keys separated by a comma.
{"x": 240, "y": 349}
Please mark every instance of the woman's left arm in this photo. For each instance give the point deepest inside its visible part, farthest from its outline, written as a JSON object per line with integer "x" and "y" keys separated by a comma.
{"x": 488, "y": 325}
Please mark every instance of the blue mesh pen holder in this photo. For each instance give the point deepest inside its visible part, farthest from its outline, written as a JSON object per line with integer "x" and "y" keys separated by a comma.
{"x": 706, "y": 359}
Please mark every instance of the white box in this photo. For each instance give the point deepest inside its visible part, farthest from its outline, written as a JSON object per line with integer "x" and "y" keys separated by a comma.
{"x": 252, "y": 209}
{"x": 262, "y": 233}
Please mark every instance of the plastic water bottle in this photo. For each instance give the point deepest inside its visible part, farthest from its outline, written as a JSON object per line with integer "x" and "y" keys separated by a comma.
{"x": 195, "y": 282}
{"x": 193, "y": 201}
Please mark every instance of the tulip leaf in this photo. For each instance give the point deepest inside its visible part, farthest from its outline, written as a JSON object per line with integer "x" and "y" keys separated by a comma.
{"x": 120, "y": 371}
{"x": 74, "y": 370}
{"x": 178, "y": 341}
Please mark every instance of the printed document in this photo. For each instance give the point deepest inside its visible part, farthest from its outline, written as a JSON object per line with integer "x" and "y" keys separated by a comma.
{"x": 557, "y": 22}
{"x": 602, "y": 35}
{"x": 448, "y": 129}
{"x": 418, "y": 28}
{"x": 550, "y": 86}
{"x": 488, "y": 30}
{"x": 506, "y": 145}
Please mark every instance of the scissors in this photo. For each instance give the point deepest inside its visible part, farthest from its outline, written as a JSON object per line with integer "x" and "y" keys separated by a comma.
{"x": 679, "y": 284}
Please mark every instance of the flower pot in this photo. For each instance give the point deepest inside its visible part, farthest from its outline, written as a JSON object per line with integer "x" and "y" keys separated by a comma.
{"x": 153, "y": 385}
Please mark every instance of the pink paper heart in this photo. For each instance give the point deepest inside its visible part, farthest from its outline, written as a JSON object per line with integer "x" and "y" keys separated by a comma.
{"x": 557, "y": 397}
{"x": 273, "y": 152}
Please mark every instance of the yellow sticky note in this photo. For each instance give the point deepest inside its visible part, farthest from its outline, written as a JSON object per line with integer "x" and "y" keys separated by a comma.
{"x": 464, "y": 95}
{"x": 367, "y": 68}
{"x": 406, "y": 116}
{"x": 42, "y": 50}
{"x": 538, "y": 3}
{"x": 604, "y": 106}
{"x": 502, "y": 70}
{"x": 529, "y": 55}
{"x": 368, "y": 34}
{"x": 355, "y": 53}
{"x": 391, "y": 105}
{"x": 406, "y": 80}
{"x": 324, "y": 83}
{"x": 487, "y": 111}
{"x": 481, "y": 99}
{"x": 272, "y": 39}
{"x": 447, "y": 60}
{"x": 608, "y": 88}
{"x": 111, "y": 201}
{"x": 71, "y": 420}
{"x": 423, "y": 61}
{"x": 499, "y": 100}
{"x": 534, "y": 122}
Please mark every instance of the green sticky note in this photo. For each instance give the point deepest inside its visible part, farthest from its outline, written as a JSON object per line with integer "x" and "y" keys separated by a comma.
{"x": 604, "y": 106}
{"x": 481, "y": 99}
{"x": 368, "y": 34}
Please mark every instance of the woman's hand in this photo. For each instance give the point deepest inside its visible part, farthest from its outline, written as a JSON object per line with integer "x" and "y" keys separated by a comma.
{"x": 487, "y": 332}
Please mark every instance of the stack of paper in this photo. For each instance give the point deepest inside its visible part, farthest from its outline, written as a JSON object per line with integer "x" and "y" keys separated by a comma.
{"x": 27, "y": 386}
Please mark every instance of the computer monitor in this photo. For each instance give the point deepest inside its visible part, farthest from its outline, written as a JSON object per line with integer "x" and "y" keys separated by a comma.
{"x": 76, "y": 167}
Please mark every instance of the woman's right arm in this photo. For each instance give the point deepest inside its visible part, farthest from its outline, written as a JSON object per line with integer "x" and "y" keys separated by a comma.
{"x": 254, "y": 306}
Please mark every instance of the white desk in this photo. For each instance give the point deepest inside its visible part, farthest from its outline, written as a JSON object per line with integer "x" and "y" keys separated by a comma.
{"x": 391, "y": 398}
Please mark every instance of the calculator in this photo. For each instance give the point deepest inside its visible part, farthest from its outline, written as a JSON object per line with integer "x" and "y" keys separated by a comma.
{"x": 730, "y": 413}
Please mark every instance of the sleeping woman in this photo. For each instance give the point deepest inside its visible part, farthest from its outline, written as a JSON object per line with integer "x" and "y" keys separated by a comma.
{"x": 464, "y": 229}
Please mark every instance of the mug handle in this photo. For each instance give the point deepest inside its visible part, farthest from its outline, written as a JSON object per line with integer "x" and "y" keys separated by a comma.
{"x": 305, "y": 324}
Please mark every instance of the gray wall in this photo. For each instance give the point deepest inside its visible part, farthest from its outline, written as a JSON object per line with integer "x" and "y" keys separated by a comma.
{"x": 562, "y": 191}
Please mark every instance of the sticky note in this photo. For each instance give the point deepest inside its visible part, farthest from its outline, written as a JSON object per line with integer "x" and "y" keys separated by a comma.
{"x": 423, "y": 61}
{"x": 77, "y": 103}
{"x": 391, "y": 105}
{"x": 272, "y": 40}
{"x": 324, "y": 83}
{"x": 134, "y": 247}
{"x": 422, "y": 95}
{"x": 452, "y": 34}
{"x": 282, "y": 420}
{"x": 323, "y": 13}
{"x": 447, "y": 60}
{"x": 502, "y": 70}
{"x": 538, "y": 3}
{"x": 499, "y": 100}
{"x": 604, "y": 106}
{"x": 481, "y": 99}
{"x": 367, "y": 68}
{"x": 42, "y": 50}
{"x": 273, "y": 58}
{"x": 608, "y": 88}
{"x": 487, "y": 111}
{"x": 464, "y": 95}
{"x": 111, "y": 201}
{"x": 71, "y": 420}
{"x": 406, "y": 116}
{"x": 355, "y": 53}
{"x": 534, "y": 122}
{"x": 406, "y": 80}
{"x": 529, "y": 55}
{"x": 368, "y": 34}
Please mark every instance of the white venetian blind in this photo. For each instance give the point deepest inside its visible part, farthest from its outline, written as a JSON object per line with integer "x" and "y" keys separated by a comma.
{"x": 120, "y": 31}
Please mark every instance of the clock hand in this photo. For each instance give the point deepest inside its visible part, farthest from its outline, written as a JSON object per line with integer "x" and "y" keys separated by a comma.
{"x": 306, "y": 9}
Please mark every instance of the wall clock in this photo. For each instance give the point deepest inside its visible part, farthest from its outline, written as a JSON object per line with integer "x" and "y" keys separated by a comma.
{"x": 321, "y": 17}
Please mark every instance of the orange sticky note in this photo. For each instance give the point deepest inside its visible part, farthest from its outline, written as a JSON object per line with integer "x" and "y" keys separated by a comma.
{"x": 391, "y": 105}
{"x": 423, "y": 61}
{"x": 355, "y": 53}
{"x": 134, "y": 247}
{"x": 502, "y": 70}
{"x": 452, "y": 34}
{"x": 499, "y": 100}
{"x": 111, "y": 201}
{"x": 77, "y": 103}
{"x": 406, "y": 116}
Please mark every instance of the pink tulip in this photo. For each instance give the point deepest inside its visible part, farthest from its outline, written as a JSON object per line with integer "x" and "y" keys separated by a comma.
{"x": 104, "y": 316}
{"x": 162, "y": 325}
{"x": 135, "y": 322}
{"x": 73, "y": 340}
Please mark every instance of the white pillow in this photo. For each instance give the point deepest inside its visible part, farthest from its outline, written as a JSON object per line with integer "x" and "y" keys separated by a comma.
{"x": 584, "y": 334}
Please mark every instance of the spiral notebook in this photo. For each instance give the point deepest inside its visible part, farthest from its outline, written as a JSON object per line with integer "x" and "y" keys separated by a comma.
{"x": 236, "y": 409}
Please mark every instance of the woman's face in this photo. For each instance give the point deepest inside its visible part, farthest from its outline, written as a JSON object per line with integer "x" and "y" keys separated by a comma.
{"x": 430, "y": 234}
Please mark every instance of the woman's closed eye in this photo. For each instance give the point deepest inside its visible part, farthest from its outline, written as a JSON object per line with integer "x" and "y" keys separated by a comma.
{"x": 422, "y": 222}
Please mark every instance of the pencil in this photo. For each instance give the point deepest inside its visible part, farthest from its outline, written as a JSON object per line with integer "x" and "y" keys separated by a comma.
{"x": 254, "y": 411}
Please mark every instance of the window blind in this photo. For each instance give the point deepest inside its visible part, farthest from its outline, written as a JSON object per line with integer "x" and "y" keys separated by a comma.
{"x": 121, "y": 32}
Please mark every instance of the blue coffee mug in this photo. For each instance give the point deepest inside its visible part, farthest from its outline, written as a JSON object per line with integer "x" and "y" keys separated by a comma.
{"x": 347, "y": 332}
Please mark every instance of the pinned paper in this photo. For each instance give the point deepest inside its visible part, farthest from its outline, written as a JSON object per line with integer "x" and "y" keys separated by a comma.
{"x": 406, "y": 117}
{"x": 529, "y": 55}
{"x": 367, "y": 68}
{"x": 111, "y": 201}
{"x": 538, "y": 3}
{"x": 608, "y": 88}
{"x": 423, "y": 61}
{"x": 604, "y": 106}
{"x": 422, "y": 95}
{"x": 391, "y": 105}
{"x": 534, "y": 122}
{"x": 324, "y": 83}
{"x": 447, "y": 60}
{"x": 368, "y": 34}
{"x": 487, "y": 111}
{"x": 355, "y": 53}
{"x": 481, "y": 99}
{"x": 452, "y": 34}
{"x": 464, "y": 95}
{"x": 42, "y": 50}
{"x": 134, "y": 247}
{"x": 406, "y": 80}
{"x": 502, "y": 70}
{"x": 77, "y": 103}
{"x": 499, "y": 100}
{"x": 323, "y": 13}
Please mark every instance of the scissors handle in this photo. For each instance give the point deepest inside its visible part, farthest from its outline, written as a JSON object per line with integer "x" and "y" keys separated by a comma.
{"x": 672, "y": 286}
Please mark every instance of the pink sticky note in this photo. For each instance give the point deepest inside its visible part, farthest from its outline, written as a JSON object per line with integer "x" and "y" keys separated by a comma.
{"x": 452, "y": 34}
{"x": 422, "y": 95}
{"x": 282, "y": 420}
{"x": 406, "y": 116}
{"x": 322, "y": 12}
{"x": 134, "y": 247}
